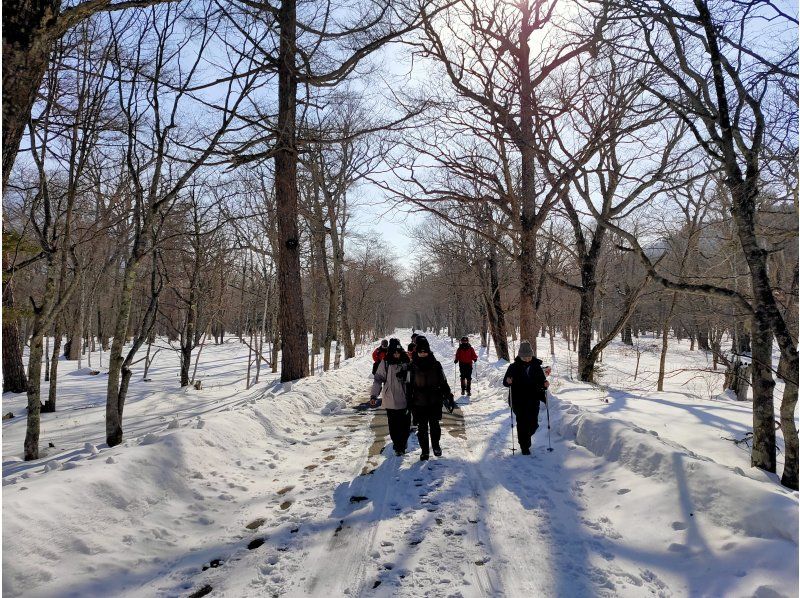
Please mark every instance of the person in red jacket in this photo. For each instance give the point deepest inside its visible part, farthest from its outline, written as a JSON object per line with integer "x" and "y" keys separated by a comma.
{"x": 465, "y": 357}
{"x": 379, "y": 354}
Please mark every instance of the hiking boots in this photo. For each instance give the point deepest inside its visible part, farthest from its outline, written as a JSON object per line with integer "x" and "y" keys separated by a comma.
{"x": 424, "y": 457}
{"x": 437, "y": 452}
{"x": 526, "y": 451}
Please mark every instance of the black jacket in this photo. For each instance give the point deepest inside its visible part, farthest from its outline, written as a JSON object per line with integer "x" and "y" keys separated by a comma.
{"x": 528, "y": 382}
{"x": 428, "y": 385}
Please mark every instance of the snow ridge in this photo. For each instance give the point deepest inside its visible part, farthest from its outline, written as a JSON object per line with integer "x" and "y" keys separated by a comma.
{"x": 727, "y": 496}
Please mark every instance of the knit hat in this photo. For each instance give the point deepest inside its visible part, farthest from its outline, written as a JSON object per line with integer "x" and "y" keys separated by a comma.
{"x": 422, "y": 345}
{"x": 464, "y": 339}
{"x": 525, "y": 349}
{"x": 394, "y": 345}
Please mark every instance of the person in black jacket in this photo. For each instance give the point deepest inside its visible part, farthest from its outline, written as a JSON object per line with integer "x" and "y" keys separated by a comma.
{"x": 528, "y": 383}
{"x": 427, "y": 392}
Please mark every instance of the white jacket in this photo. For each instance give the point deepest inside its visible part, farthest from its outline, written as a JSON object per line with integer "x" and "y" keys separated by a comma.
{"x": 394, "y": 389}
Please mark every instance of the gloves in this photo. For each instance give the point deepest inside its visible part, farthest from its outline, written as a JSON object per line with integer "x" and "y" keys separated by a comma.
{"x": 373, "y": 400}
{"x": 455, "y": 361}
{"x": 449, "y": 403}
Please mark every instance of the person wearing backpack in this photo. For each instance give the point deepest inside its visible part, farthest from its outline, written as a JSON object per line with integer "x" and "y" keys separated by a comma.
{"x": 390, "y": 380}
{"x": 526, "y": 379}
{"x": 378, "y": 355}
{"x": 427, "y": 393}
{"x": 465, "y": 357}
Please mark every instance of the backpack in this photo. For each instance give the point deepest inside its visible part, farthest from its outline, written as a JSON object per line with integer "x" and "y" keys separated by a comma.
{"x": 381, "y": 356}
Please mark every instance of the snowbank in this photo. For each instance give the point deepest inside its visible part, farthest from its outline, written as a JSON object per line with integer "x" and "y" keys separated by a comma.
{"x": 726, "y": 496}
{"x": 138, "y": 503}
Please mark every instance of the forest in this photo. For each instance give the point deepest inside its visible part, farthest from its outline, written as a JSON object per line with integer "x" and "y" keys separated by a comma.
{"x": 176, "y": 174}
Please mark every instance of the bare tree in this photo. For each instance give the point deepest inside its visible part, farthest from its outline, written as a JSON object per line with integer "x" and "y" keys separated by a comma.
{"x": 718, "y": 80}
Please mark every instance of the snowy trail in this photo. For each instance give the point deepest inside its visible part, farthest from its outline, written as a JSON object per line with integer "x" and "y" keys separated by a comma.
{"x": 287, "y": 490}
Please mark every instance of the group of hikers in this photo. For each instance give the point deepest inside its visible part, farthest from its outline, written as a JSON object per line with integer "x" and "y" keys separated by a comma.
{"x": 414, "y": 390}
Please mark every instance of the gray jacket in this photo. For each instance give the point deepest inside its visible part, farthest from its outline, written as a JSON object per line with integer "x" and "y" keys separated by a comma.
{"x": 394, "y": 389}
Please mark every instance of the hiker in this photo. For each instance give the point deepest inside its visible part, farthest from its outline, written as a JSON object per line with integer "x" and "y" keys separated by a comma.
{"x": 528, "y": 383}
{"x": 378, "y": 354}
{"x": 427, "y": 392}
{"x": 390, "y": 380}
{"x": 412, "y": 347}
{"x": 465, "y": 357}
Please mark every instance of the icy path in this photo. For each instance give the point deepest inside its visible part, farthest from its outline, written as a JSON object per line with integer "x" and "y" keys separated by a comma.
{"x": 287, "y": 490}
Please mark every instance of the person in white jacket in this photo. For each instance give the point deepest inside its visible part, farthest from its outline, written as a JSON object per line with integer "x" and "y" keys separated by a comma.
{"x": 390, "y": 379}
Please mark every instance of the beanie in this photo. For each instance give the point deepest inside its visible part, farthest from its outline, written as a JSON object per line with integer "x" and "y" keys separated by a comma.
{"x": 422, "y": 344}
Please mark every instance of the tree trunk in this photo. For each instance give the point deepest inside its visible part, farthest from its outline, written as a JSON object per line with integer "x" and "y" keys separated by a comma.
{"x": 50, "y": 404}
{"x": 14, "y": 379}
{"x": 188, "y": 338}
{"x": 115, "y": 359}
{"x": 526, "y": 143}
{"x": 76, "y": 335}
{"x": 495, "y": 311}
{"x": 276, "y": 335}
{"x": 294, "y": 338}
{"x": 788, "y": 406}
{"x": 764, "y": 448}
{"x": 587, "y": 359}
{"x": 349, "y": 347}
{"x": 627, "y": 336}
{"x": 34, "y": 402}
{"x": 40, "y": 324}
{"x": 26, "y": 49}
{"x": 664, "y": 343}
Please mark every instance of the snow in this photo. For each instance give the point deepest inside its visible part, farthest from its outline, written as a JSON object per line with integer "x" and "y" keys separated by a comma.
{"x": 285, "y": 489}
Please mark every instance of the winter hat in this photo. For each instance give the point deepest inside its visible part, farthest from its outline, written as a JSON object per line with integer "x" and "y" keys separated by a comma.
{"x": 394, "y": 345}
{"x": 422, "y": 344}
{"x": 525, "y": 349}
{"x": 384, "y": 343}
{"x": 465, "y": 339}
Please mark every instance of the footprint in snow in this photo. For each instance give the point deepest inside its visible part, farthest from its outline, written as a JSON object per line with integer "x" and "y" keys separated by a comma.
{"x": 678, "y": 525}
{"x": 623, "y": 490}
{"x": 256, "y": 523}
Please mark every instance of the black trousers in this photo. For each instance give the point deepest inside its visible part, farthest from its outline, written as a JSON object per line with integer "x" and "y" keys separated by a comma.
{"x": 466, "y": 376}
{"x": 399, "y": 426}
{"x": 427, "y": 419}
{"x": 527, "y": 416}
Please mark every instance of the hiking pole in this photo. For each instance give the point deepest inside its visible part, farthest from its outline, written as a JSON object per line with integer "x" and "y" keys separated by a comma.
{"x": 511, "y": 408}
{"x": 547, "y": 407}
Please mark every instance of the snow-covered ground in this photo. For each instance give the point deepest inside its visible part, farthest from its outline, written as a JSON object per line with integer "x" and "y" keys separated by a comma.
{"x": 284, "y": 489}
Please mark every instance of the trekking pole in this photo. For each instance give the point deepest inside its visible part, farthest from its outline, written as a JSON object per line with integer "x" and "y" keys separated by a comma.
{"x": 547, "y": 407}
{"x": 511, "y": 409}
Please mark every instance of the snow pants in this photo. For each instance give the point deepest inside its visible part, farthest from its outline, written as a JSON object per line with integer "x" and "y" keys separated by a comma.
{"x": 399, "y": 426}
{"x": 527, "y": 416}
{"x": 466, "y": 377}
{"x": 427, "y": 418}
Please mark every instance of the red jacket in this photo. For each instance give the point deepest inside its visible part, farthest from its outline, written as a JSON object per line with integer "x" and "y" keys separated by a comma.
{"x": 467, "y": 355}
{"x": 379, "y": 354}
